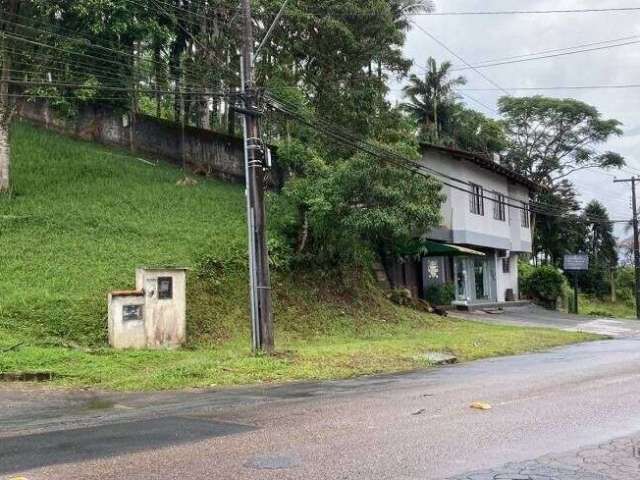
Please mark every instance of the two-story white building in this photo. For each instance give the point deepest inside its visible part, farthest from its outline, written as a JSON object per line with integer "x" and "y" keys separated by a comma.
{"x": 485, "y": 228}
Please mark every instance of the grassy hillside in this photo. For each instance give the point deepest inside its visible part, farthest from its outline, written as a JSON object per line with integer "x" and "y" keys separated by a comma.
{"x": 83, "y": 217}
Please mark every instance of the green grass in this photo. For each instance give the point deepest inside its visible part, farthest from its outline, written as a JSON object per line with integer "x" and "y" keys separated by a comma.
{"x": 318, "y": 358}
{"x": 82, "y": 218}
{"x": 601, "y": 308}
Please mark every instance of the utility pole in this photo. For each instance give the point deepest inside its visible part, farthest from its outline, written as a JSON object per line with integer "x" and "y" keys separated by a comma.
{"x": 636, "y": 239}
{"x": 260, "y": 281}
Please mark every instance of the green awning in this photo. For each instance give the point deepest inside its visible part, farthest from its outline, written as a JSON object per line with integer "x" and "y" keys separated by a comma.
{"x": 435, "y": 249}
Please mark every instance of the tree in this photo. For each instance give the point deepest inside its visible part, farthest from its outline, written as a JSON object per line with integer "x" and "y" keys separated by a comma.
{"x": 555, "y": 236}
{"x": 352, "y": 210}
{"x": 474, "y": 132}
{"x": 552, "y": 138}
{"x": 432, "y": 99}
{"x": 9, "y": 9}
{"x": 600, "y": 243}
{"x": 340, "y": 54}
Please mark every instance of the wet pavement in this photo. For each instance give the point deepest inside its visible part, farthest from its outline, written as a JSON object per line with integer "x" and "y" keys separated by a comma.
{"x": 535, "y": 316}
{"x": 571, "y": 413}
{"x": 615, "y": 460}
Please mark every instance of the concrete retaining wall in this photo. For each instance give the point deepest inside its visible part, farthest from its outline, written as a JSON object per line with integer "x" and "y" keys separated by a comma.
{"x": 205, "y": 152}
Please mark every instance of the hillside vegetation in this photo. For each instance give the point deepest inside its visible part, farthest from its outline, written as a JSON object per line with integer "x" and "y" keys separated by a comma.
{"x": 83, "y": 217}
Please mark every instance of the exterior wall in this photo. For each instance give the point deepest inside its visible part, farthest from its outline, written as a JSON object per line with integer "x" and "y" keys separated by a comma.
{"x": 205, "y": 152}
{"x": 507, "y": 281}
{"x": 460, "y": 226}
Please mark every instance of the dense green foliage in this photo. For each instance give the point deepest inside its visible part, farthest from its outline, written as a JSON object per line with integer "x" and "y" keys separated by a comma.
{"x": 441, "y": 294}
{"x": 352, "y": 211}
{"x": 625, "y": 282}
{"x": 551, "y": 138}
{"x": 600, "y": 244}
{"x": 543, "y": 284}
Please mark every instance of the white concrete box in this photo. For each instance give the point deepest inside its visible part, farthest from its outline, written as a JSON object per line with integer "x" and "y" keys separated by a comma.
{"x": 165, "y": 315}
{"x": 152, "y": 316}
{"x": 126, "y": 320}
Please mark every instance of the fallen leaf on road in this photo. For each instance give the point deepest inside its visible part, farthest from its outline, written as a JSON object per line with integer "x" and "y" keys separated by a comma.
{"x": 481, "y": 406}
{"x": 420, "y": 412}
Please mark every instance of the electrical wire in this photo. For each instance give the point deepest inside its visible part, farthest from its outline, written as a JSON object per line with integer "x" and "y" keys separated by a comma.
{"x": 533, "y": 12}
{"x": 443, "y": 45}
{"x": 555, "y": 50}
{"x": 544, "y": 57}
{"x": 403, "y": 162}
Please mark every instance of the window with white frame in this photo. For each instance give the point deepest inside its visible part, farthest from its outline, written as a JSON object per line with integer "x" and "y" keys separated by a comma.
{"x": 500, "y": 208}
{"x": 476, "y": 199}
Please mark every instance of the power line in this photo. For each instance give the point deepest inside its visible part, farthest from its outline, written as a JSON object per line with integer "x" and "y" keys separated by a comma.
{"x": 483, "y": 105}
{"x": 531, "y": 12}
{"x": 554, "y": 50}
{"x": 418, "y": 168}
{"x": 443, "y": 45}
{"x": 558, "y": 87}
{"x": 543, "y": 57}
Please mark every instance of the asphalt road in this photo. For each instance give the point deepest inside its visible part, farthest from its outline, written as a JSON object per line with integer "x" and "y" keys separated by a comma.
{"x": 572, "y": 413}
{"x": 535, "y": 316}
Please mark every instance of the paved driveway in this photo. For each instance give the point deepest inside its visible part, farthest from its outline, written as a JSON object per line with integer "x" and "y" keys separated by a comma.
{"x": 534, "y": 316}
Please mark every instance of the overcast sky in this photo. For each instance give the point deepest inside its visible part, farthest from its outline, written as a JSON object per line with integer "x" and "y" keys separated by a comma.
{"x": 479, "y": 38}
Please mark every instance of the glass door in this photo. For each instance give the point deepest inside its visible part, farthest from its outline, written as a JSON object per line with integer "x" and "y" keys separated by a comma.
{"x": 480, "y": 275}
{"x": 461, "y": 279}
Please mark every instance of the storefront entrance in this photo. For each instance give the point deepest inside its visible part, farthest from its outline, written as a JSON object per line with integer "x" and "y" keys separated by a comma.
{"x": 475, "y": 279}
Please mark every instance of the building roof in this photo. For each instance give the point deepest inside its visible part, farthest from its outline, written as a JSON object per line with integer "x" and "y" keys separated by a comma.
{"x": 486, "y": 163}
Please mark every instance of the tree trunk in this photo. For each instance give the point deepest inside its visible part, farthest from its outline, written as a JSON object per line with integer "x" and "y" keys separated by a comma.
{"x": 5, "y": 157}
{"x": 435, "y": 116}
{"x": 6, "y": 112}
{"x": 303, "y": 236}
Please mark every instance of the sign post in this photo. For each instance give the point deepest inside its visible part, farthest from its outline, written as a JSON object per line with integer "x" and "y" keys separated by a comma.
{"x": 576, "y": 264}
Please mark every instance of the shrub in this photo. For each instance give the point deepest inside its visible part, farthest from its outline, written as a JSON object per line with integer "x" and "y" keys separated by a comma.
{"x": 441, "y": 294}
{"x": 543, "y": 284}
{"x": 625, "y": 285}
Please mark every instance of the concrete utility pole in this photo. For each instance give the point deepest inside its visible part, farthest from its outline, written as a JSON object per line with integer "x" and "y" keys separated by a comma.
{"x": 261, "y": 311}
{"x": 636, "y": 239}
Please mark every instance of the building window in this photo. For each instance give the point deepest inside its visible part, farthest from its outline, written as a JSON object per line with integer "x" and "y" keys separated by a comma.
{"x": 506, "y": 265}
{"x": 500, "y": 208}
{"x": 476, "y": 199}
{"x": 526, "y": 216}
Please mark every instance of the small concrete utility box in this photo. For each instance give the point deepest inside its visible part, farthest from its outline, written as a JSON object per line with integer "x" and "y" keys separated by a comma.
{"x": 152, "y": 316}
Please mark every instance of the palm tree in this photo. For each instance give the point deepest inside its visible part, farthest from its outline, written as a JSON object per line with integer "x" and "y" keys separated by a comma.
{"x": 429, "y": 96}
{"x": 403, "y": 9}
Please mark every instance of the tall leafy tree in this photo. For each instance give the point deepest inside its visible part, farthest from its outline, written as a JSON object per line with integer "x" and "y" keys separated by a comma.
{"x": 552, "y": 138}
{"x": 340, "y": 54}
{"x": 432, "y": 99}
{"x": 601, "y": 245}
{"x": 556, "y": 236}
{"x": 472, "y": 131}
